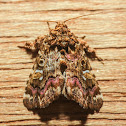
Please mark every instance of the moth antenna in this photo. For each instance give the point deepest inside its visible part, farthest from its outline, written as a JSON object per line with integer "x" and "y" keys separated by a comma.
{"x": 80, "y": 16}
{"x": 48, "y": 25}
{"x": 101, "y": 11}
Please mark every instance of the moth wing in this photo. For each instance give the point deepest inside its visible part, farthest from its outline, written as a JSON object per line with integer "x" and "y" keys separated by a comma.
{"x": 45, "y": 84}
{"x": 37, "y": 97}
{"x": 86, "y": 92}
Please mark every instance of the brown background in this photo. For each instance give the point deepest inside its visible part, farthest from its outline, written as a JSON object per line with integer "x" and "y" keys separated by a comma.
{"x": 23, "y": 20}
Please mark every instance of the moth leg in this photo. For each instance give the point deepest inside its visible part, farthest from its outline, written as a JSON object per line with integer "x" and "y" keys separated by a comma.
{"x": 33, "y": 47}
{"x": 83, "y": 37}
{"x": 29, "y": 46}
{"x": 90, "y": 52}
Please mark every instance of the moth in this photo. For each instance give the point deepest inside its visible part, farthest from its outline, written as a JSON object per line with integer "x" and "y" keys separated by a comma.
{"x": 62, "y": 68}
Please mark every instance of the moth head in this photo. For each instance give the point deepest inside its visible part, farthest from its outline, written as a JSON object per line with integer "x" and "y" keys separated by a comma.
{"x": 62, "y": 28}
{"x": 61, "y": 24}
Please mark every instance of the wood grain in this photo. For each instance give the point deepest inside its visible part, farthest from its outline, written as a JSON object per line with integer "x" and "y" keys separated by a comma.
{"x": 105, "y": 30}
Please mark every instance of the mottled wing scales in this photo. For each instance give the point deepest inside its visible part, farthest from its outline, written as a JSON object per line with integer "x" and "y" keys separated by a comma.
{"x": 62, "y": 67}
{"x": 80, "y": 85}
{"x": 36, "y": 98}
{"x": 45, "y": 84}
{"x": 87, "y": 94}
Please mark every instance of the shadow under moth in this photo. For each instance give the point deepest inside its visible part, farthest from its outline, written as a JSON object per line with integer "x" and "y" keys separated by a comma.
{"x": 62, "y": 68}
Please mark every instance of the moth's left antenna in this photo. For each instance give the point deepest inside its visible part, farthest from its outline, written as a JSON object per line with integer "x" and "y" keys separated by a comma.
{"x": 48, "y": 25}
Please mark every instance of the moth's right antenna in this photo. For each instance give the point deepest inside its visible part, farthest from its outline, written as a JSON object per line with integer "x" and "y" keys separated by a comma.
{"x": 74, "y": 18}
{"x": 82, "y": 16}
{"x": 100, "y": 11}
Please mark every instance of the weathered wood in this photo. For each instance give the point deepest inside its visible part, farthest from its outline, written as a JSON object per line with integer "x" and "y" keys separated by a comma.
{"x": 22, "y": 21}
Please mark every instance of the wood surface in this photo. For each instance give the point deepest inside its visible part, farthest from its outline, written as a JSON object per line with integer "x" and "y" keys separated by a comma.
{"x": 105, "y": 30}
